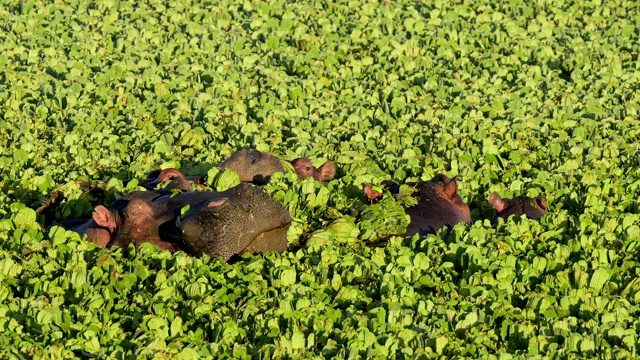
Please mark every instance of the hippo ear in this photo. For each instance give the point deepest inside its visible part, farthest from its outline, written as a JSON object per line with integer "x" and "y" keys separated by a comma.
{"x": 371, "y": 194}
{"x": 327, "y": 171}
{"x": 168, "y": 174}
{"x": 451, "y": 188}
{"x": 104, "y": 218}
{"x": 497, "y": 203}
{"x": 542, "y": 203}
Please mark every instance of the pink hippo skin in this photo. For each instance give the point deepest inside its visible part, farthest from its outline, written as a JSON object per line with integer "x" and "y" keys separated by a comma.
{"x": 305, "y": 169}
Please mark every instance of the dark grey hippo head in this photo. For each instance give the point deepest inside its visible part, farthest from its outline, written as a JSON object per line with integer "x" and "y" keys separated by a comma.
{"x": 236, "y": 221}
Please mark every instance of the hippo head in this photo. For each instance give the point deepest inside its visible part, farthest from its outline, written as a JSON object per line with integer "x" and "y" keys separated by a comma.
{"x": 139, "y": 223}
{"x": 439, "y": 205}
{"x": 253, "y": 165}
{"x": 239, "y": 220}
{"x": 133, "y": 219}
{"x": 305, "y": 169}
{"x": 533, "y": 208}
{"x": 99, "y": 229}
{"x": 176, "y": 178}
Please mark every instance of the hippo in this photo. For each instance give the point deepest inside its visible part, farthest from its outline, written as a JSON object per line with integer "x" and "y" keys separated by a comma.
{"x": 257, "y": 167}
{"x": 177, "y": 180}
{"x": 533, "y": 208}
{"x": 253, "y": 165}
{"x": 108, "y": 224}
{"x": 154, "y": 178}
{"x": 439, "y": 204}
{"x": 235, "y": 221}
{"x": 220, "y": 224}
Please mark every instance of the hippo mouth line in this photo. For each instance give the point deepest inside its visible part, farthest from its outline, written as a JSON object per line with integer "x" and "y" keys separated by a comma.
{"x": 257, "y": 242}
{"x": 265, "y": 238}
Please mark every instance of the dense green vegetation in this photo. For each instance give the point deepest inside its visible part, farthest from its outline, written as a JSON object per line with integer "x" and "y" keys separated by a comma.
{"x": 519, "y": 97}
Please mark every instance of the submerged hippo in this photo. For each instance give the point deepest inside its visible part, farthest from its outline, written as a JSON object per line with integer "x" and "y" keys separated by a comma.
{"x": 533, "y": 208}
{"x": 221, "y": 224}
{"x": 252, "y": 166}
{"x": 112, "y": 225}
{"x": 439, "y": 204}
{"x": 257, "y": 167}
{"x": 176, "y": 178}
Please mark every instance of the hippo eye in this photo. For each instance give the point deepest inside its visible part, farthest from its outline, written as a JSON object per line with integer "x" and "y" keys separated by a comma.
{"x": 308, "y": 168}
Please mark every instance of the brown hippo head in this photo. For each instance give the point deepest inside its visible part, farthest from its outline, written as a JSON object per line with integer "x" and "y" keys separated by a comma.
{"x": 439, "y": 205}
{"x": 253, "y": 165}
{"x": 305, "y": 169}
{"x": 533, "y": 208}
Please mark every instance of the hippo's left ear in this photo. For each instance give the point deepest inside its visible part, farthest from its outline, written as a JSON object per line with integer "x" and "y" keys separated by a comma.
{"x": 327, "y": 171}
{"x": 497, "y": 203}
{"x": 451, "y": 188}
{"x": 542, "y": 203}
{"x": 104, "y": 218}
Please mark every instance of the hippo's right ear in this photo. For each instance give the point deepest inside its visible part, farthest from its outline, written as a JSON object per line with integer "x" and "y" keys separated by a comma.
{"x": 542, "y": 203}
{"x": 451, "y": 188}
{"x": 104, "y": 218}
{"x": 327, "y": 171}
{"x": 497, "y": 203}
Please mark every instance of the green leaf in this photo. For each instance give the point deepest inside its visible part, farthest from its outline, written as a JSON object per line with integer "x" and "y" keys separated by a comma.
{"x": 25, "y": 217}
{"x": 226, "y": 179}
{"x": 288, "y": 277}
{"x": 297, "y": 340}
{"x": 599, "y": 278}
